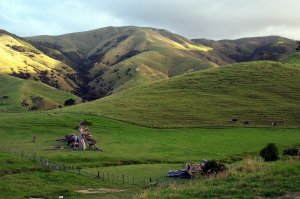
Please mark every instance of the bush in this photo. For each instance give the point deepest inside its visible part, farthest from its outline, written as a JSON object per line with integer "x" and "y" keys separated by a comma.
{"x": 37, "y": 102}
{"x": 270, "y": 153}
{"x": 69, "y": 102}
{"x": 212, "y": 166}
{"x": 292, "y": 151}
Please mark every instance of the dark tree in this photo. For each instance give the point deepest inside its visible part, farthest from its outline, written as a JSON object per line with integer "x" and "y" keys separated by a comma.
{"x": 69, "y": 102}
{"x": 270, "y": 153}
{"x": 298, "y": 46}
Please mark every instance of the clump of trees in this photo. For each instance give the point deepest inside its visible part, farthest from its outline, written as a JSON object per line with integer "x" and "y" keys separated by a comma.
{"x": 70, "y": 102}
{"x": 35, "y": 103}
{"x": 270, "y": 153}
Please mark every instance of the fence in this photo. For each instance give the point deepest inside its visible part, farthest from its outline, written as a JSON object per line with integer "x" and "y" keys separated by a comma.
{"x": 121, "y": 179}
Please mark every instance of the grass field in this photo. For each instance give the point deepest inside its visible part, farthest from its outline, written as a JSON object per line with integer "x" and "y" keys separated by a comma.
{"x": 128, "y": 150}
{"x": 124, "y": 143}
{"x": 257, "y": 92}
{"x": 18, "y": 90}
{"x": 246, "y": 179}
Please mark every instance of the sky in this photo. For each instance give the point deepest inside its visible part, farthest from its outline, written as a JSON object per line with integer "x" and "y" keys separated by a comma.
{"x": 211, "y": 19}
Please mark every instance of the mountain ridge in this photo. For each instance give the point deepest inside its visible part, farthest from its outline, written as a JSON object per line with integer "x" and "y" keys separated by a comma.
{"x": 129, "y": 50}
{"x": 107, "y": 60}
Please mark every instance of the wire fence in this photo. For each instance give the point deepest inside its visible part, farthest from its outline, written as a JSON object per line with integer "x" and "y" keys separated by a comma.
{"x": 105, "y": 176}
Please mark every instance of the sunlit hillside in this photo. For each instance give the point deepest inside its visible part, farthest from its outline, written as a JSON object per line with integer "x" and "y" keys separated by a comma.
{"x": 19, "y": 58}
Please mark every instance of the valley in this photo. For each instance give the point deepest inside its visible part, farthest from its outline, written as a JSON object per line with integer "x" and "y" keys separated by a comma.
{"x": 154, "y": 100}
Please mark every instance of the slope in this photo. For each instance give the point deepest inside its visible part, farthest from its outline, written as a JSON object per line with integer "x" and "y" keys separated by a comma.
{"x": 21, "y": 59}
{"x": 253, "y": 48}
{"x": 292, "y": 58}
{"x": 19, "y": 90}
{"x": 117, "y": 58}
{"x": 254, "y": 93}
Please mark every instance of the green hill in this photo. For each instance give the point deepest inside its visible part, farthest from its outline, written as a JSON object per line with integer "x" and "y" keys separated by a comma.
{"x": 254, "y": 93}
{"x": 117, "y": 58}
{"x": 253, "y": 48}
{"x": 18, "y": 90}
{"x": 292, "y": 59}
{"x": 21, "y": 59}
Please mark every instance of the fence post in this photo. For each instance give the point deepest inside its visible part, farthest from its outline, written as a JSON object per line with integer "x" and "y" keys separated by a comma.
{"x": 98, "y": 175}
{"x": 117, "y": 178}
{"x": 122, "y": 178}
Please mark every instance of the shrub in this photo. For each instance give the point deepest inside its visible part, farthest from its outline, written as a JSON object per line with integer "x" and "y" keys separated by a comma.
{"x": 292, "y": 151}
{"x": 37, "y": 102}
{"x": 69, "y": 102}
{"x": 212, "y": 166}
{"x": 270, "y": 153}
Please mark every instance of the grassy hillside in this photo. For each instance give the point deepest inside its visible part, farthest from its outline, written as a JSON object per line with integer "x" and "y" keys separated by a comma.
{"x": 292, "y": 59}
{"x": 21, "y": 59}
{"x": 257, "y": 93}
{"x": 253, "y": 48}
{"x": 114, "y": 58}
{"x": 247, "y": 179}
{"x": 18, "y": 90}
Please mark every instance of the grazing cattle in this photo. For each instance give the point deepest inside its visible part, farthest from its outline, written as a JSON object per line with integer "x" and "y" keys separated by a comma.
{"x": 234, "y": 120}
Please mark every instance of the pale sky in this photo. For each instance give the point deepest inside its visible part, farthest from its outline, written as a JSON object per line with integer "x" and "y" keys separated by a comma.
{"x": 211, "y": 19}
